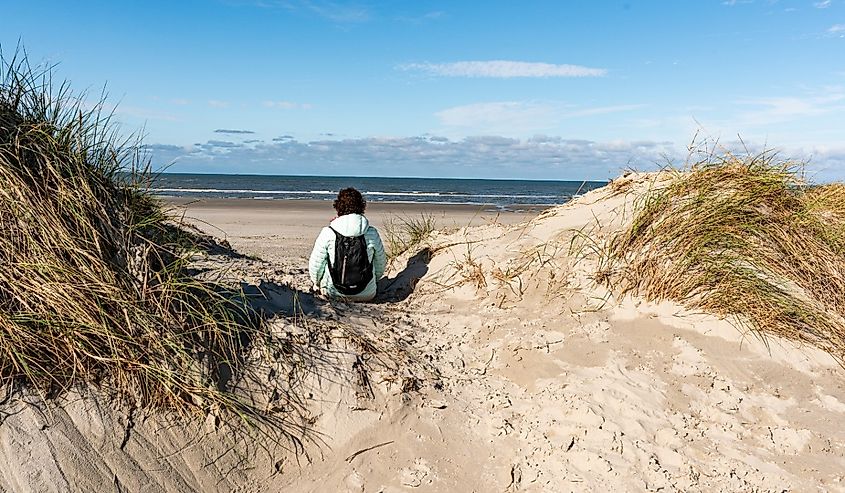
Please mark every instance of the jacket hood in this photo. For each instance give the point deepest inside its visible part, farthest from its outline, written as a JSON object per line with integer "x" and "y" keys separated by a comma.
{"x": 350, "y": 224}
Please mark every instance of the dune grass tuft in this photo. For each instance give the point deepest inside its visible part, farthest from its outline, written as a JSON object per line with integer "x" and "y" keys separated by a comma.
{"x": 94, "y": 286}
{"x": 401, "y": 234}
{"x": 745, "y": 238}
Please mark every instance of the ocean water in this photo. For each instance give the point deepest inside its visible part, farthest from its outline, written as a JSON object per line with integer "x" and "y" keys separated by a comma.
{"x": 499, "y": 193}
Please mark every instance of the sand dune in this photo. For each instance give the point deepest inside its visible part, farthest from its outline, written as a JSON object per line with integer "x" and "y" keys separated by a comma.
{"x": 507, "y": 368}
{"x": 571, "y": 389}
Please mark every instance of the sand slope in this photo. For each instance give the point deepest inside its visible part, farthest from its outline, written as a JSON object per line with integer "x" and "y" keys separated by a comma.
{"x": 506, "y": 369}
{"x": 567, "y": 389}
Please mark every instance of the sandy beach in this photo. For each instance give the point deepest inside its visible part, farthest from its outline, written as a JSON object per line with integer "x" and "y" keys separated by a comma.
{"x": 286, "y": 229}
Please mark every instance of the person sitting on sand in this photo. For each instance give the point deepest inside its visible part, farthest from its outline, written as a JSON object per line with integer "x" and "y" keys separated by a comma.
{"x": 348, "y": 257}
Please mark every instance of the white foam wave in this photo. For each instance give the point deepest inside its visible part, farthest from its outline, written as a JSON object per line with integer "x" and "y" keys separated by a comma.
{"x": 373, "y": 193}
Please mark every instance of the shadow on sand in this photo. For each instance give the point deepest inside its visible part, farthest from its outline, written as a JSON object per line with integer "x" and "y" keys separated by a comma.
{"x": 269, "y": 299}
{"x": 398, "y": 288}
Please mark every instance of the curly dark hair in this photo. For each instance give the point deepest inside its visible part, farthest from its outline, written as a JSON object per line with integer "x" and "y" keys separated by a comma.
{"x": 349, "y": 201}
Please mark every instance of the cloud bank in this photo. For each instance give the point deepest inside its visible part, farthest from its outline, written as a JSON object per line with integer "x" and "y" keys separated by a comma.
{"x": 538, "y": 157}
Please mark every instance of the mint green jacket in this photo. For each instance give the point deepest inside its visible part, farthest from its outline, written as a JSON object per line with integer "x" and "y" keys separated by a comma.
{"x": 323, "y": 252}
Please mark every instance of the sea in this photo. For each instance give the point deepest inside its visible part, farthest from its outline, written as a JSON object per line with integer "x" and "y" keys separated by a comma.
{"x": 502, "y": 194}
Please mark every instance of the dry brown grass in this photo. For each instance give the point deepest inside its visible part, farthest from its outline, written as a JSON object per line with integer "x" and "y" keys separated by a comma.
{"x": 744, "y": 238}
{"x": 472, "y": 272}
{"x": 94, "y": 285}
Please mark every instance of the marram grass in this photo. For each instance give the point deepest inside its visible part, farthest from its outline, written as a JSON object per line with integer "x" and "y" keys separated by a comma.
{"x": 744, "y": 238}
{"x": 94, "y": 286}
{"x": 403, "y": 234}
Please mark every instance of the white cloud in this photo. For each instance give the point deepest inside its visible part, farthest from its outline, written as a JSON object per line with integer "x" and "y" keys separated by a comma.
{"x": 219, "y": 144}
{"x": 481, "y": 156}
{"x": 286, "y": 105}
{"x": 837, "y": 30}
{"x": 233, "y": 131}
{"x": 603, "y": 110}
{"x": 503, "y": 69}
{"x": 214, "y": 103}
{"x": 822, "y": 5}
{"x": 521, "y": 115}
{"x": 517, "y": 117}
{"x": 549, "y": 157}
{"x": 804, "y": 119}
{"x": 826, "y": 163}
{"x": 781, "y": 109}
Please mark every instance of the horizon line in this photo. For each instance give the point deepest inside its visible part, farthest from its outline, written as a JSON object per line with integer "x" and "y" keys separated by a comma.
{"x": 603, "y": 180}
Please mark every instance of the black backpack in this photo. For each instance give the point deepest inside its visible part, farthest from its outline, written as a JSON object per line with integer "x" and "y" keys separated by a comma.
{"x": 352, "y": 269}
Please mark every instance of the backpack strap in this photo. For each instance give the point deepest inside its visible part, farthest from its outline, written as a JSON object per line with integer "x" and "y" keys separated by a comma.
{"x": 337, "y": 236}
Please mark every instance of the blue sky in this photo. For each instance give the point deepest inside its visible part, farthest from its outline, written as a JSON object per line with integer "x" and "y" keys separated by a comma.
{"x": 544, "y": 89}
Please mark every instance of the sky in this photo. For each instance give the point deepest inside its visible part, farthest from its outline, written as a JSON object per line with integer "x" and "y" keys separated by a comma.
{"x": 496, "y": 89}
